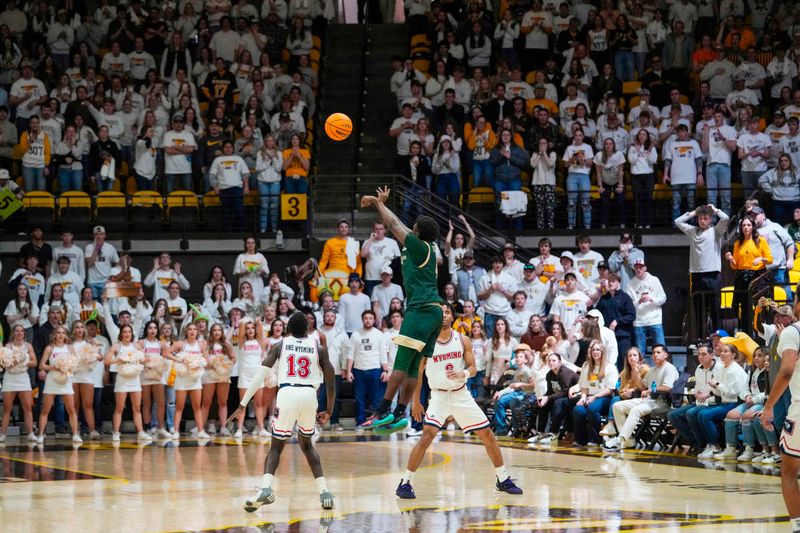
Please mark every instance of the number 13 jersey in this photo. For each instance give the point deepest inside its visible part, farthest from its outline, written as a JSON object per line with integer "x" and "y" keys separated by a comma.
{"x": 299, "y": 362}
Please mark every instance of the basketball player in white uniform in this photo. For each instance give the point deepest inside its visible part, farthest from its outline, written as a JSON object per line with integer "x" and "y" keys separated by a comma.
{"x": 447, "y": 370}
{"x": 302, "y": 366}
{"x": 789, "y": 375}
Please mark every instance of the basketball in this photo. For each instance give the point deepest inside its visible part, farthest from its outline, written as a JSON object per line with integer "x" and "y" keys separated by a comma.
{"x": 338, "y": 126}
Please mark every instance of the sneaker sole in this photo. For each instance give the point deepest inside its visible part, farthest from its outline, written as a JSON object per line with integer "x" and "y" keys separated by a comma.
{"x": 256, "y": 505}
{"x": 405, "y": 497}
{"x": 391, "y": 428}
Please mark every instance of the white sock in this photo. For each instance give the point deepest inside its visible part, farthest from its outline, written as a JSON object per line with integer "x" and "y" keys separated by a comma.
{"x": 501, "y": 473}
{"x": 267, "y": 480}
{"x": 321, "y": 485}
{"x": 408, "y": 477}
{"x": 795, "y": 524}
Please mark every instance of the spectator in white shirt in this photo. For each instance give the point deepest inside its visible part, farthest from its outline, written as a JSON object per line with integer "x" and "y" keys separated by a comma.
{"x": 377, "y": 251}
{"x": 163, "y": 274}
{"x": 519, "y": 317}
{"x": 100, "y": 257}
{"x": 367, "y": 365}
{"x": 69, "y": 280}
{"x": 383, "y": 294}
{"x": 648, "y": 297}
{"x": 71, "y": 251}
{"x": 495, "y": 289}
{"x": 754, "y": 147}
{"x": 719, "y": 141}
{"x": 352, "y": 304}
{"x": 537, "y": 292}
{"x": 570, "y": 303}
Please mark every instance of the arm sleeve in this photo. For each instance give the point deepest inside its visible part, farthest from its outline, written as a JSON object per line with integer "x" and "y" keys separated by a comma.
{"x": 255, "y": 383}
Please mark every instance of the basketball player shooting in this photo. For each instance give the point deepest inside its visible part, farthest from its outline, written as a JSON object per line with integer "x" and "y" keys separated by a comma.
{"x": 423, "y": 311}
{"x": 447, "y": 370}
{"x": 302, "y": 365}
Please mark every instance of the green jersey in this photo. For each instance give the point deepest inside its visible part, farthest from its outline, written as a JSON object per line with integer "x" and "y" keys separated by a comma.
{"x": 419, "y": 272}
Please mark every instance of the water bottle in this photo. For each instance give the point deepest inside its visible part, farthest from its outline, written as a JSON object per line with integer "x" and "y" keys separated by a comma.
{"x": 279, "y": 239}
{"x": 652, "y": 388}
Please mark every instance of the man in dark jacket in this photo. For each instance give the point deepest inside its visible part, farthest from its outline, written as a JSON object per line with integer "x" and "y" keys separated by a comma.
{"x": 619, "y": 313}
{"x": 542, "y": 127}
{"x": 555, "y": 402}
{"x": 210, "y": 148}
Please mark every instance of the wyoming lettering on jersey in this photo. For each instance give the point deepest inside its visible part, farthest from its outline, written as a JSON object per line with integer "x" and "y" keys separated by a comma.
{"x": 447, "y": 356}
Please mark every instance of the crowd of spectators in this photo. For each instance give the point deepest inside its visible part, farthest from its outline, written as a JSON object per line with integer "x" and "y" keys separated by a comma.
{"x": 602, "y": 106}
{"x": 134, "y": 96}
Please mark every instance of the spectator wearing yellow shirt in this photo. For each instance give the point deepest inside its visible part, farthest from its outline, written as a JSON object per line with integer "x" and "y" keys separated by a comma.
{"x": 296, "y": 162}
{"x": 751, "y": 255}
{"x": 340, "y": 258}
{"x": 463, "y": 324}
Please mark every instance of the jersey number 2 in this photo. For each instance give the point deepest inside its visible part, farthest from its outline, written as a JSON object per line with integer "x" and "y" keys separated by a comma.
{"x": 301, "y": 369}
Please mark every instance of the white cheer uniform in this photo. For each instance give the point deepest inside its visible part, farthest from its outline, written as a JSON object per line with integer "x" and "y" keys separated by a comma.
{"x": 214, "y": 350}
{"x": 152, "y": 350}
{"x": 790, "y": 435}
{"x": 20, "y": 381}
{"x": 50, "y": 385}
{"x": 299, "y": 376}
{"x": 123, "y": 384}
{"x": 84, "y": 374}
{"x": 189, "y": 382}
{"x": 249, "y": 361}
{"x": 450, "y": 397}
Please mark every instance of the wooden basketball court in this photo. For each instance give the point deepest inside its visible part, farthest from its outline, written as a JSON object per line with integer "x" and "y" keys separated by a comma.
{"x": 186, "y": 486}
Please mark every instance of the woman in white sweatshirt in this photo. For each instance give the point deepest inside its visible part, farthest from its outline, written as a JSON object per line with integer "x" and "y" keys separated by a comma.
{"x": 727, "y": 387}
{"x": 145, "y": 160}
{"x": 446, "y": 169}
{"x": 543, "y": 181}
{"x": 269, "y": 163}
{"x": 746, "y": 413}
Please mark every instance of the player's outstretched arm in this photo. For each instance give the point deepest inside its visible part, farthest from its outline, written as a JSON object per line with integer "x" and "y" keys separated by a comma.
{"x": 330, "y": 384}
{"x": 263, "y": 371}
{"x": 398, "y": 229}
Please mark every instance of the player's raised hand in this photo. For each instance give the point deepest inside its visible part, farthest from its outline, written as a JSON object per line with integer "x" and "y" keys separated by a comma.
{"x": 417, "y": 412}
{"x": 383, "y": 194}
{"x": 367, "y": 201}
{"x": 236, "y": 414}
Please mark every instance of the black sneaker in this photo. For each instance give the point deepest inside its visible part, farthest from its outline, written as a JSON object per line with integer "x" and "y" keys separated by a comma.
{"x": 326, "y": 499}
{"x": 405, "y": 491}
{"x": 508, "y": 486}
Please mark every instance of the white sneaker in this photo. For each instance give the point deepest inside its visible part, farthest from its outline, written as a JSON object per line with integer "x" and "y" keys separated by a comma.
{"x": 451, "y": 427}
{"x": 2, "y": 437}
{"x": 115, "y": 437}
{"x": 203, "y": 435}
{"x": 152, "y": 431}
{"x": 759, "y": 457}
{"x": 144, "y": 436}
{"x": 193, "y": 431}
{"x": 413, "y": 432}
{"x": 337, "y": 427}
{"x": 535, "y": 438}
{"x": 225, "y": 432}
{"x": 94, "y": 435}
{"x": 212, "y": 428}
{"x": 31, "y": 437}
{"x": 176, "y": 435}
{"x": 163, "y": 433}
{"x": 40, "y": 439}
{"x": 263, "y": 433}
{"x": 238, "y": 434}
{"x": 547, "y": 439}
{"x": 609, "y": 430}
{"x": 709, "y": 452}
{"x": 77, "y": 438}
{"x": 255, "y": 432}
{"x": 747, "y": 455}
{"x": 611, "y": 444}
{"x": 772, "y": 459}
{"x": 728, "y": 453}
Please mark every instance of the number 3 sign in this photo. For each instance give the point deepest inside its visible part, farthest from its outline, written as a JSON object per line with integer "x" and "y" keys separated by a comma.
{"x": 294, "y": 207}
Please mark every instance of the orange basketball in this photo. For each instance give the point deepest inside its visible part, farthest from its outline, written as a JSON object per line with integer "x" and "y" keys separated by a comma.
{"x": 338, "y": 126}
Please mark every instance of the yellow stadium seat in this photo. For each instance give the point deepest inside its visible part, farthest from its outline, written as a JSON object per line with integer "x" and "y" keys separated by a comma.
{"x": 182, "y": 199}
{"x": 183, "y": 209}
{"x": 211, "y": 199}
{"x": 252, "y": 198}
{"x": 285, "y": 56}
{"x": 314, "y": 55}
{"x": 146, "y": 210}
{"x": 662, "y": 192}
{"x": 74, "y": 199}
{"x": 110, "y": 199}
{"x": 633, "y": 102}
{"x": 481, "y": 195}
{"x": 631, "y": 87}
{"x": 726, "y": 297}
{"x": 316, "y": 42}
{"x": 422, "y": 65}
{"x": 684, "y": 99}
{"x": 531, "y": 77}
{"x": 39, "y": 200}
{"x": 146, "y": 199}
{"x": 779, "y": 294}
{"x": 75, "y": 209}
{"x": 110, "y": 210}
{"x": 418, "y": 39}
{"x": 794, "y": 276}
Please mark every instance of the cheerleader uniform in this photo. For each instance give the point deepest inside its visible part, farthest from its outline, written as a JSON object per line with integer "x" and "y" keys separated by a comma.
{"x": 83, "y": 375}
{"x": 20, "y": 382}
{"x": 50, "y": 385}
{"x": 123, "y": 384}
{"x": 215, "y": 350}
{"x": 249, "y": 363}
{"x": 188, "y": 382}
{"x": 152, "y": 349}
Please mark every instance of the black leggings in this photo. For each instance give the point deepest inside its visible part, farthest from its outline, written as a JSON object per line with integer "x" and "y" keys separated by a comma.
{"x": 643, "y": 185}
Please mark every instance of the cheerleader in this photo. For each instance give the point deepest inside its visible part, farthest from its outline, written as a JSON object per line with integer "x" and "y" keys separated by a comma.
{"x": 188, "y": 384}
{"x": 55, "y": 385}
{"x": 153, "y": 378}
{"x": 83, "y": 379}
{"x": 21, "y": 310}
{"x": 126, "y": 385}
{"x": 276, "y": 330}
{"x": 17, "y": 382}
{"x": 251, "y": 355}
{"x": 217, "y": 382}
{"x": 166, "y": 334}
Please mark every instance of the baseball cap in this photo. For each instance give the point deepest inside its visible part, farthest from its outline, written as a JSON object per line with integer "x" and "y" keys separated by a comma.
{"x": 644, "y": 92}
{"x": 522, "y": 346}
{"x": 178, "y": 117}
{"x": 509, "y": 246}
{"x": 594, "y": 313}
{"x": 214, "y": 121}
{"x": 602, "y": 264}
{"x": 568, "y": 255}
{"x": 720, "y": 333}
{"x": 785, "y": 310}
{"x": 625, "y": 236}
{"x": 739, "y": 77}
{"x": 540, "y": 86}
{"x": 387, "y": 270}
{"x": 25, "y": 63}
{"x": 529, "y": 266}
{"x": 780, "y": 113}
{"x": 756, "y": 210}
{"x": 639, "y": 261}
{"x": 353, "y": 277}
{"x": 343, "y": 221}
{"x": 468, "y": 253}
{"x": 568, "y": 274}
{"x": 98, "y": 229}
{"x": 4, "y": 174}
